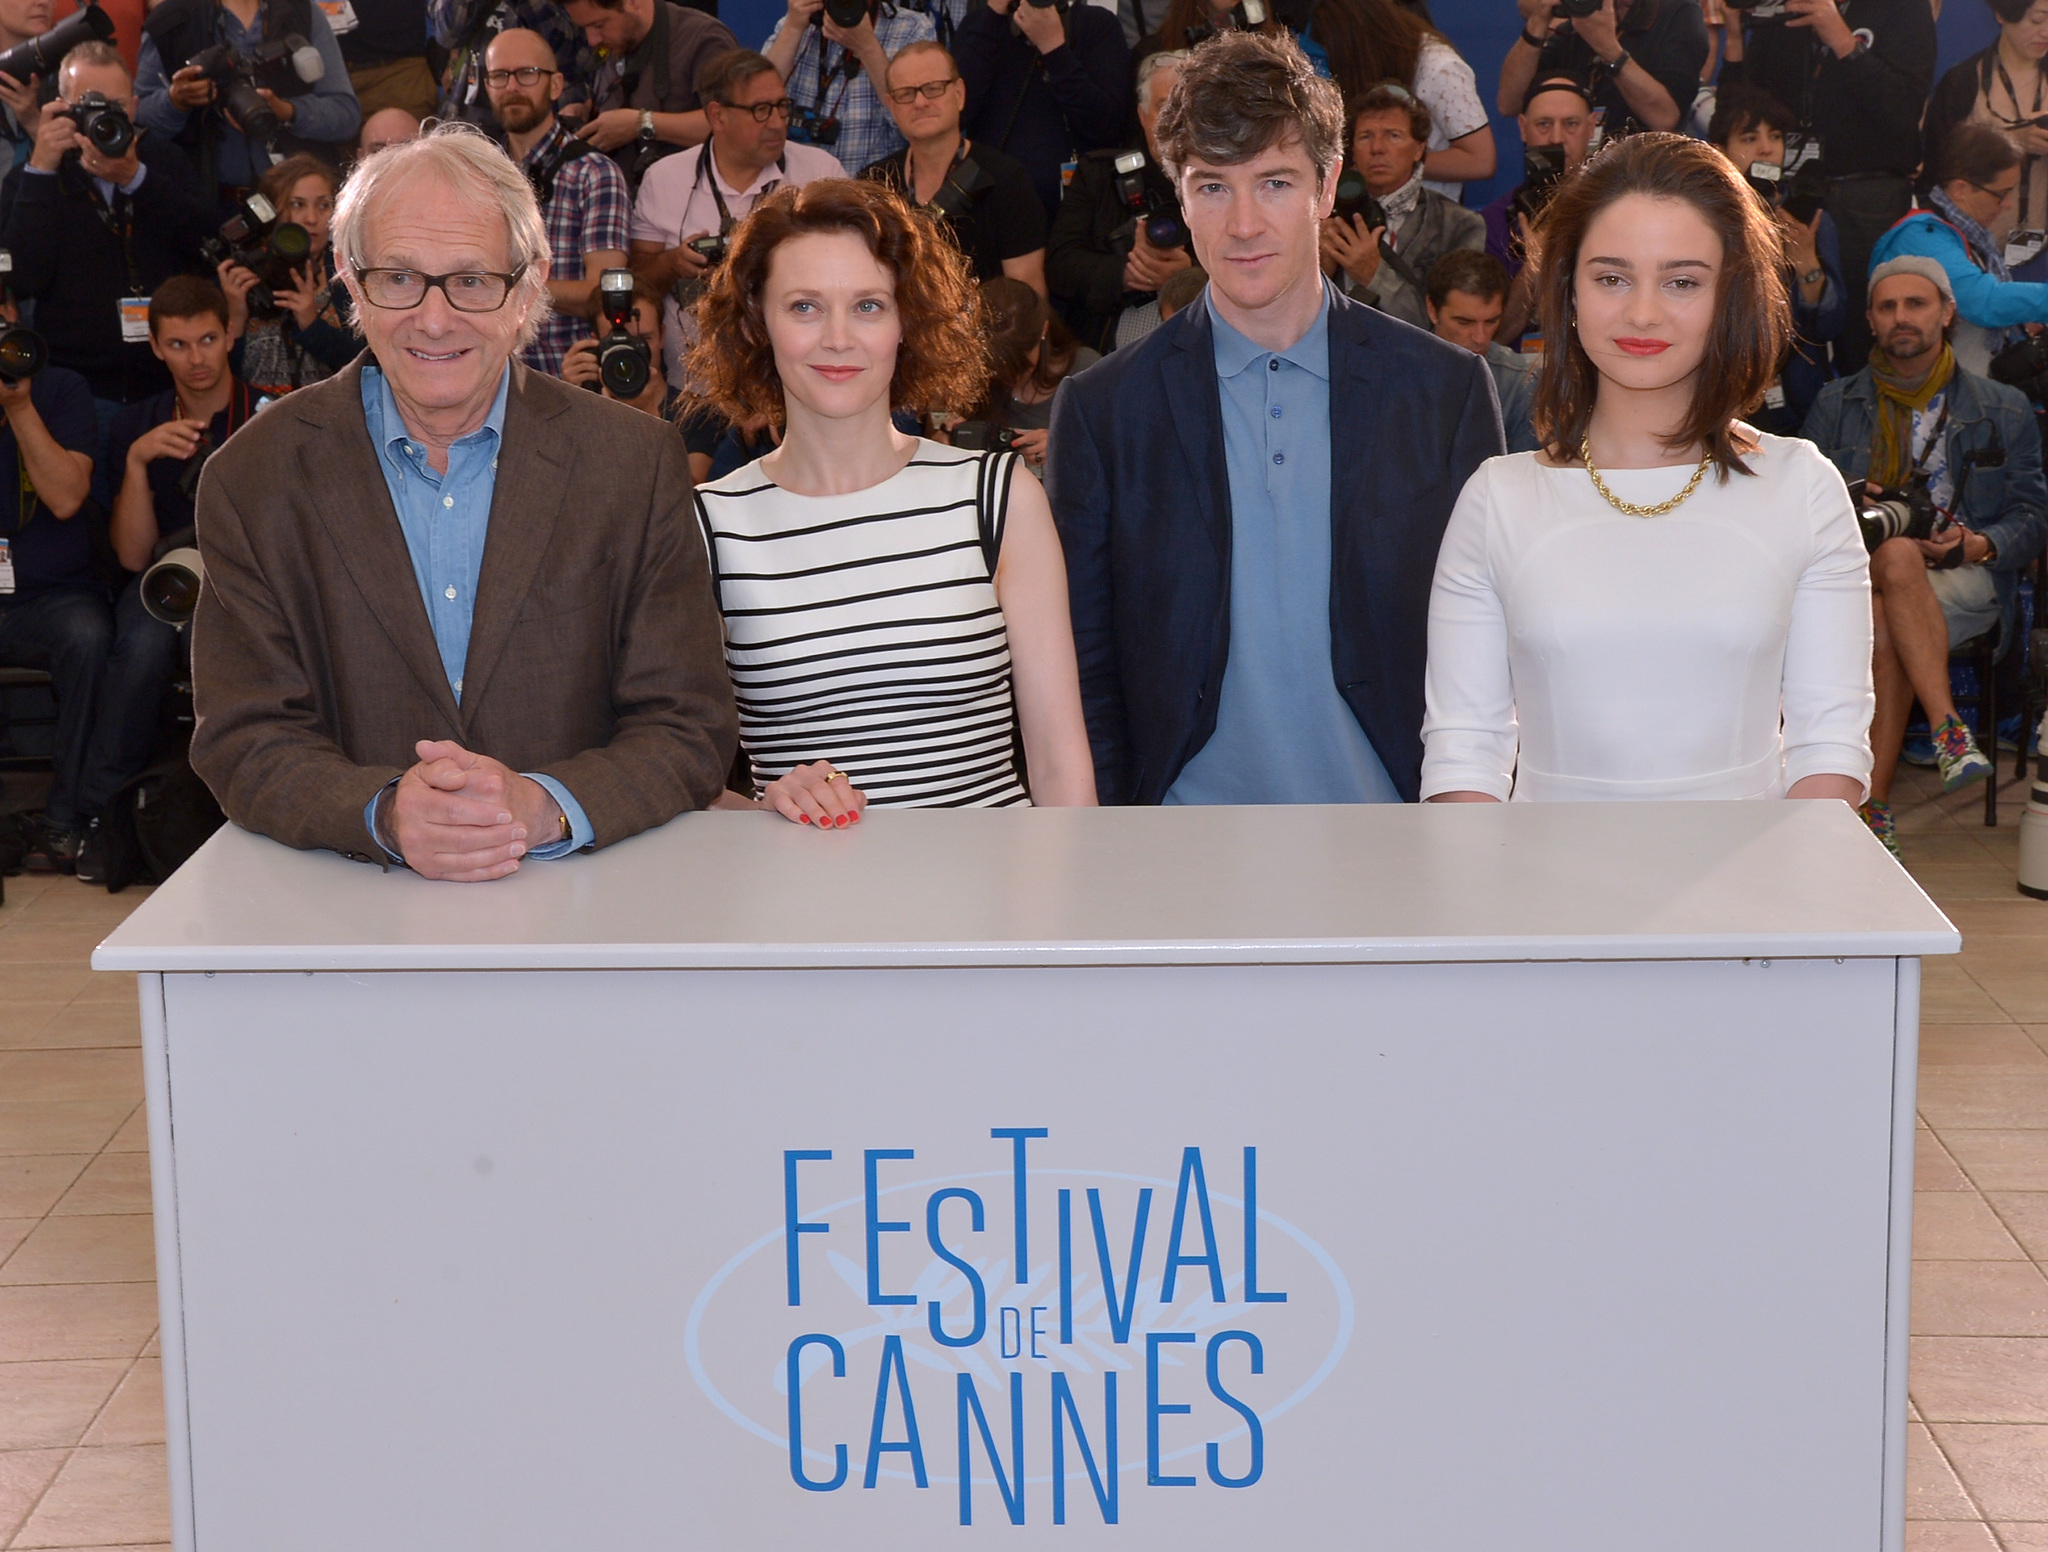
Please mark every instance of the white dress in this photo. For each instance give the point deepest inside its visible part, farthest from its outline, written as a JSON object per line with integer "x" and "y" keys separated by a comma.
{"x": 1719, "y": 651}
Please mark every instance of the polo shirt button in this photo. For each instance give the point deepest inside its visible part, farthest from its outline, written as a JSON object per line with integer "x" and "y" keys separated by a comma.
{"x": 1273, "y": 364}
{"x": 1279, "y": 458}
{"x": 447, "y": 501}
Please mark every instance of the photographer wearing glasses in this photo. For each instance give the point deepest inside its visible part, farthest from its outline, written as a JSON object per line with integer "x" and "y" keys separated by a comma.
{"x": 983, "y": 198}
{"x": 1643, "y": 57}
{"x": 583, "y": 198}
{"x": 456, "y": 613}
{"x": 1957, "y": 460}
{"x": 836, "y": 61}
{"x": 689, "y": 204}
{"x": 643, "y": 99}
{"x": 1047, "y": 80}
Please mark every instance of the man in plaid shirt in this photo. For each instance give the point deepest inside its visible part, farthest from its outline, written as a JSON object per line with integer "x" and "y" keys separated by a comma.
{"x": 833, "y": 73}
{"x": 582, "y": 193}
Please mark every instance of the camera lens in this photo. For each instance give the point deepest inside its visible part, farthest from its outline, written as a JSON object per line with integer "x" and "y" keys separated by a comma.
{"x": 22, "y": 353}
{"x": 624, "y": 364}
{"x": 170, "y": 588}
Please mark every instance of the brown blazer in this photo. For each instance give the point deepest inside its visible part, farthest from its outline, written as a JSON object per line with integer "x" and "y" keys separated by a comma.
{"x": 596, "y": 654}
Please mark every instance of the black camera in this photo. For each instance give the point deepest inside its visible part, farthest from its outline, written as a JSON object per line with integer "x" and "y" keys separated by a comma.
{"x": 41, "y": 56}
{"x": 624, "y": 363}
{"x": 1245, "y": 16}
{"x": 1799, "y": 194}
{"x": 281, "y": 67}
{"x": 105, "y": 125}
{"x": 710, "y": 248}
{"x": 1156, "y": 214}
{"x": 965, "y": 184}
{"x": 982, "y": 436}
{"x": 641, "y": 153}
{"x": 1577, "y": 8}
{"x": 1905, "y": 513}
{"x": 2024, "y": 365}
{"x": 1759, "y": 10}
{"x": 268, "y": 248}
{"x": 190, "y": 470}
{"x": 22, "y": 354}
{"x": 811, "y": 127}
{"x": 1354, "y": 199}
{"x": 1542, "y": 172}
{"x": 843, "y": 13}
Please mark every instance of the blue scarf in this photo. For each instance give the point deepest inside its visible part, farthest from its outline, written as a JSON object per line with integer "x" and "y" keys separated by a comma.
{"x": 1984, "y": 252}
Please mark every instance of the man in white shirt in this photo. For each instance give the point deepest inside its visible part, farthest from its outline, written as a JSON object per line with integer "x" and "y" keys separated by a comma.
{"x": 705, "y": 191}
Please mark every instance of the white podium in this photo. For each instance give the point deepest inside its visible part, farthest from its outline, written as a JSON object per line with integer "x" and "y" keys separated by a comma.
{"x": 1455, "y": 1179}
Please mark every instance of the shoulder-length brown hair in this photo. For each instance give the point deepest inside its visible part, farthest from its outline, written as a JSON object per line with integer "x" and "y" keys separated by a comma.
{"x": 1752, "y": 313}
{"x": 1369, "y": 41}
{"x": 941, "y": 362}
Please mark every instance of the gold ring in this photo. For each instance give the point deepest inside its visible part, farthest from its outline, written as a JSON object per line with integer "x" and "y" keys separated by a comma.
{"x": 835, "y": 776}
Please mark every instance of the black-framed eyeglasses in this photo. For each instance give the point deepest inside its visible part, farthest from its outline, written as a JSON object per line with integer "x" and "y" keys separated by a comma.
{"x": 904, "y": 96}
{"x": 762, "y": 111}
{"x": 525, "y": 75}
{"x": 1998, "y": 194}
{"x": 467, "y": 291}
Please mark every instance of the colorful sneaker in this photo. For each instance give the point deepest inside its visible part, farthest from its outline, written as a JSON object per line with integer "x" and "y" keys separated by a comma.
{"x": 1877, "y": 813}
{"x": 1962, "y": 762}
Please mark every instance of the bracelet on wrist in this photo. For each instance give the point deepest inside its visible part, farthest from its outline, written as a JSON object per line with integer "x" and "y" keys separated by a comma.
{"x": 1534, "y": 43}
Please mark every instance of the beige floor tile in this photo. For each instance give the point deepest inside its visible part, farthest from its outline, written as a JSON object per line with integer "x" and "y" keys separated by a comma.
{"x": 133, "y": 1137}
{"x": 135, "y": 1414}
{"x": 24, "y": 1475}
{"x": 82, "y": 1320}
{"x": 50, "y": 1405}
{"x": 2023, "y": 997}
{"x": 1980, "y": 1379}
{"x": 1950, "y": 1298}
{"x": 1950, "y": 1098}
{"x": 1981, "y": 877}
{"x": 2022, "y": 1538}
{"x": 1932, "y": 1491}
{"x": 1933, "y": 1169}
{"x": 119, "y": 986}
{"x": 77, "y": 1026}
{"x": 116, "y": 1493}
{"x": 42, "y": 1126}
{"x": 31, "y": 1184}
{"x": 113, "y": 1075}
{"x": 19, "y": 1017}
{"x": 2003, "y": 1466}
{"x": 121, "y": 1248}
{"x": 12, "y": 1232}
{"x": 1948, "y": 995}
{"x": 1947, "y": 1226}
{"x": 119, "y": 1183}
{"x": 1980, "y": 1048}
{"x": 2025, "y": 1215}
{"x": 2014, "y": 917}
{"x": 24, "y": 943}
{"x": 46, "y": 983}
{"x": 1949, "y": 1536}
{"x": 2001, "y": 1160}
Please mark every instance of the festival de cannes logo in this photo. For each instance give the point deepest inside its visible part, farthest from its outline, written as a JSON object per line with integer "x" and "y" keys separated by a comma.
{"x": 1028, "y": 1341}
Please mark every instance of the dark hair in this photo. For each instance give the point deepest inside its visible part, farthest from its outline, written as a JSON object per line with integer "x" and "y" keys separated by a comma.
{"x": 1014, "y": 318}
{"x": 1741, "y": 108}
{"x": 1975, "y": 153}
{"x": 1181, "y": 17}
{"x": 1369, "y": 41}
{"x": 940, "y": 360}
{"x": 1393, "y": 97}
{"x": 278, "y": 182}
{"x": 1241, "y": 92}
{"x": 724, "y": 74}
{"x": 2011, "y": 11}
{"x": 1752, "y": 312}
{"x": 1470, "y": 270}
{"x": 187, "y": 296}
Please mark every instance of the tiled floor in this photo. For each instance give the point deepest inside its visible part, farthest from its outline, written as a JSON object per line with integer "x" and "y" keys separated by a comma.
{"x": 81, "y": 1401}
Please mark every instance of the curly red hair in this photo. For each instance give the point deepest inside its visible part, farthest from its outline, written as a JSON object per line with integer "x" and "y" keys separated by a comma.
{"x": 941, "y": 363}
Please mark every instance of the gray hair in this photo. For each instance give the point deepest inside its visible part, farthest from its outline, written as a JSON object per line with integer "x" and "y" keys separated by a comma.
{"x": 94, "y": 52}
{"x": 478, "y": 173}
{"x": 1152, "y": 64}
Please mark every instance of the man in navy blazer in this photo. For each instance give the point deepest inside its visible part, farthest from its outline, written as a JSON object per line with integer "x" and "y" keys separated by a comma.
{"x": 1252, "y": 498}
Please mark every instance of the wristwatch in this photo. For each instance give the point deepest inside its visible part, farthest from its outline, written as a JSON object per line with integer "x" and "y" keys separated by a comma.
{"x": 1534, "y": 43}
{"x": 1813, "y": 276}
{"x": 647, "y": 123}
{"x": 1616, "y": 65}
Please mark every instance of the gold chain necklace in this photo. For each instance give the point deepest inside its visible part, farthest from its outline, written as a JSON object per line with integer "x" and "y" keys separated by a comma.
{"x": 1691, "y": 485}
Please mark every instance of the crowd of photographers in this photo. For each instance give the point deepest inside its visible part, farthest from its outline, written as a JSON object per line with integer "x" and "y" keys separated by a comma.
{"x": 165, "y": 214}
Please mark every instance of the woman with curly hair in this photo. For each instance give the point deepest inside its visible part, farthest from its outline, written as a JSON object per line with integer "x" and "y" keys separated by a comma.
{"x": 895, "y": 611}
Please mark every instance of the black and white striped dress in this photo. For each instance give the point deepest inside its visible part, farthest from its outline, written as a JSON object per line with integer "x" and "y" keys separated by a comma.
{"x": 863, "y": 629}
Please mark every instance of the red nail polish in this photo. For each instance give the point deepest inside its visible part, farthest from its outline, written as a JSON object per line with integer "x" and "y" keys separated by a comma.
{"x": 803, "y": 818}
{"x": 840, "y": 821}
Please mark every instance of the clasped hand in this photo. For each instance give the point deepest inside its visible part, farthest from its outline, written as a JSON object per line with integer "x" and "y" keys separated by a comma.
{"x": 464, "y": 817}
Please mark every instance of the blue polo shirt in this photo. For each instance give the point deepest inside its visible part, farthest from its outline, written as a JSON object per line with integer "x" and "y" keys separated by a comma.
{"x": 1283, "y": 733}
{"x": 48, "y": 552}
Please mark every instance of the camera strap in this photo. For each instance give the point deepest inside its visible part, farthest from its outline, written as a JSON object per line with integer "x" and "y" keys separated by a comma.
{"x": 2021, "y": 118}
{"x": 710, "y": 176}
{"x": 848, "y": 67}
{"x": 118, "y": 218}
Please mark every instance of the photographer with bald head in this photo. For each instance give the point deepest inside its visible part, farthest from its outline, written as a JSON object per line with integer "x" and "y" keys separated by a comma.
{"x": 456, "y": 613}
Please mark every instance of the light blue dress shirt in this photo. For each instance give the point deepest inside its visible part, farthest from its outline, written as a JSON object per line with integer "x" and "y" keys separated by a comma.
{"x": 329, "y": 112}
{"x": 445, "y": 518}
{"x": 1283, "y": 733}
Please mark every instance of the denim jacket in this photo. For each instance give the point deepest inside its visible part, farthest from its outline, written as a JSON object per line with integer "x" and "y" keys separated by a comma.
{"x": 2008, "y": 505}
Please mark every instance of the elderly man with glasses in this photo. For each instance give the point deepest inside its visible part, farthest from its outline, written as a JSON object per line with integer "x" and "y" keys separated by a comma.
{"x": 456, "y": 614}
{"x": 689, "y": 203}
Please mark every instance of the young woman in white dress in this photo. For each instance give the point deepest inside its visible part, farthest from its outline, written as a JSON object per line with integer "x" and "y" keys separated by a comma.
{"x": 1663, "y": 603}
{"x": 895, "y": 610}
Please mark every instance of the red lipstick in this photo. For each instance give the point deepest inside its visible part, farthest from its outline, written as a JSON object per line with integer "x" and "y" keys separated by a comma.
{"x": 1644, "y": 347}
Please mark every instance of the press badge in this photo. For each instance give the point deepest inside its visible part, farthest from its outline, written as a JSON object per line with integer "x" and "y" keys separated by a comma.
{"x": 6, "y": 567}
{"x": 2024, "y": 247}
{"x": 1067, "y": 171}
{"x": 134, "y": 320}
{"x": 340, "y": 14}
{"x": 1774, "y": 396}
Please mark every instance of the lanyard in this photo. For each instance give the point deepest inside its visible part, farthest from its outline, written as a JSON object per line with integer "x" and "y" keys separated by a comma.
{"x": 910, "y": 174}
{"x": 120, "y": 220}
{"x": 725, "y": 221}
{"x": 2020, "y": 222}
{"x": 848, "y": 66}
